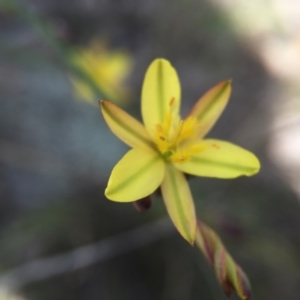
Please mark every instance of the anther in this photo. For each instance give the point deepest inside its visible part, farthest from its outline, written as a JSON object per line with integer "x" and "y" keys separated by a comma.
{"x": 172, "y": 101}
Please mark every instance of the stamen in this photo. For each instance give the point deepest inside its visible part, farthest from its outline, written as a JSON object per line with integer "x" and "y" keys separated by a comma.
{"x": 175, "y": 138}
{"x": 172, "y": 101}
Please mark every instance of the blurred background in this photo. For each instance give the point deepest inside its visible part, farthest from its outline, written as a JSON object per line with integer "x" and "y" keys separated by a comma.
{"x": 60, "y": 237}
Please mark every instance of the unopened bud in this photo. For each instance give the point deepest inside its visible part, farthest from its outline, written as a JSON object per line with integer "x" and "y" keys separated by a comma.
{"x": 143, "y": 204}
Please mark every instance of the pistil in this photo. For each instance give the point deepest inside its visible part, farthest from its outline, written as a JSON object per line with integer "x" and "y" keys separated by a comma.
{"x": 175, "y": 139}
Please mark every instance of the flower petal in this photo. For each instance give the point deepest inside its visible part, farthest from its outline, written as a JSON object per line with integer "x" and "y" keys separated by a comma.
{"x": 125, "y": 127}
{"x": 136, "y": 175}
{"x": 210, "y": 106}
{"x": 179, "y": 202}
{"x": 161, "y": 87}
{"x": 222, "y": 160}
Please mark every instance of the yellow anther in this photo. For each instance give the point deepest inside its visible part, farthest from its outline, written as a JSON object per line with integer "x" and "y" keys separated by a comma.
{"x": 176, "y": 137}
{"x": 172, "y": 101}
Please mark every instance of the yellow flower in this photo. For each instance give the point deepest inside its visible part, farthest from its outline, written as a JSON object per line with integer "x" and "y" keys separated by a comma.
{"x": 107, "y": 69}
{"x": 166, "y": 147}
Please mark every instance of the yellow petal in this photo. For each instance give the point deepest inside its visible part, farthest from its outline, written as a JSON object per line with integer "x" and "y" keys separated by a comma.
{"x": 136, "y": 175}
{"x": 179, "y": 202}
{"x": 222, "y": 160}
{"x": 125, "y": 127}
{"x": 210, "y": 106}
{"x": 161, "y": 88}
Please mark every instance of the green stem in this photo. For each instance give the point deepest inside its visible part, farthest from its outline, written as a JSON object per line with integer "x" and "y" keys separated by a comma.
{"x": 45, "y": 30}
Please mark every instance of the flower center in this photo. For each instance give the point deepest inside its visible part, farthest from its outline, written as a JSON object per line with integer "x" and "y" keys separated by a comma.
{"x": 177, "y": 139}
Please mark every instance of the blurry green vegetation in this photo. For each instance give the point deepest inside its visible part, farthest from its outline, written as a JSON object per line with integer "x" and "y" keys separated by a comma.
{"x": 46, "y": 31}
